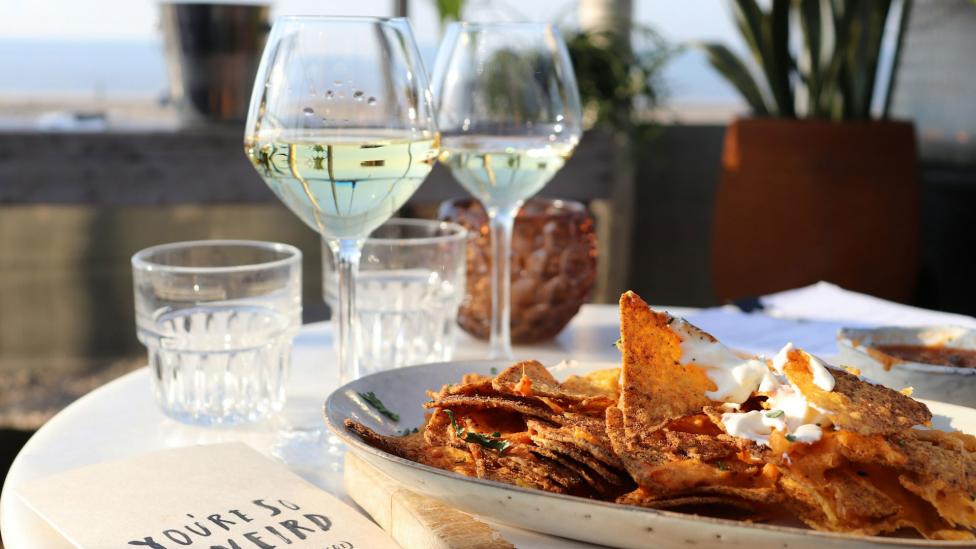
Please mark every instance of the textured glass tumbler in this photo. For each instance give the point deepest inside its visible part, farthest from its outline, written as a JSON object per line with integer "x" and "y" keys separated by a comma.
{"x": 554, "y": 260}
{"x": 217, "y": 318}
{"x": 410, "y": 285}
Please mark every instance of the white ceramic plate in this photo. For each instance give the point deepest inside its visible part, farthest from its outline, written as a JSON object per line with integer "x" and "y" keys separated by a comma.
{"x": 403, "y": 391}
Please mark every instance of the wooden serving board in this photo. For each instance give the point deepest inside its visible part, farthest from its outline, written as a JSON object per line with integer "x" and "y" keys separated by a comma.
{"x": 411, "y": 519}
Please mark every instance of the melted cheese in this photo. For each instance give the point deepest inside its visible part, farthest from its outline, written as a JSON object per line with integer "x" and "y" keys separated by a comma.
{"x": 821, "y": 375}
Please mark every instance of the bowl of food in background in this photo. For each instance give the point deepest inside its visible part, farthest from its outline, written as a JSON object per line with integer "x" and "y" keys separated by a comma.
{"x": 553, "y": 266}
{"x": 937, "y": 362}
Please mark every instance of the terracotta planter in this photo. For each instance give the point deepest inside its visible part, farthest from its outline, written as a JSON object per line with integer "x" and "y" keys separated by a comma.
{"x": 803, "y": 201}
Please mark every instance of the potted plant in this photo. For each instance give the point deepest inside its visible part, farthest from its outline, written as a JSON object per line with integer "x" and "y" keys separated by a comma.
{"x": 818, "y": 184}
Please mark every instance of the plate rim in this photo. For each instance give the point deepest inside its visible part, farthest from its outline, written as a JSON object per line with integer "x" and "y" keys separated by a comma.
{"x": 357, "y": 443}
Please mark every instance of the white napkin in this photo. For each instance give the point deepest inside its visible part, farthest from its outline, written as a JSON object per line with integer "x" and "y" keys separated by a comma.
{"x": 760, "y": 334}
{"x": 810, "y": 318}
{"x": 825, "y": 301}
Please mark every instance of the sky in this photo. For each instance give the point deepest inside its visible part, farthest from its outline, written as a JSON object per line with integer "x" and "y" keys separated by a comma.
{"x": 112, "y": 47}
{"x": 138, "y": 19}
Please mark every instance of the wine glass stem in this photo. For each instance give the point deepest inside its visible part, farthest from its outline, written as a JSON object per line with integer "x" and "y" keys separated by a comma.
{"x": 347, "y": 252}
{"x": 501, "y": 221}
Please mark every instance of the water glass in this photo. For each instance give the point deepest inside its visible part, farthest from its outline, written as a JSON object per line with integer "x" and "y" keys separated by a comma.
{"x": 409, "y": 287}
{"x": 217, "y": 318}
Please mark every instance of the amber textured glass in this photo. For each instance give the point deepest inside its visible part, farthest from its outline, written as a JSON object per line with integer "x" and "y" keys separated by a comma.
{"x": 553, "y": 266}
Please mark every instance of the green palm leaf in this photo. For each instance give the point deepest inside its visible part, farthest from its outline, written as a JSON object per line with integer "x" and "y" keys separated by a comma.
{"x": 737, "y": 73}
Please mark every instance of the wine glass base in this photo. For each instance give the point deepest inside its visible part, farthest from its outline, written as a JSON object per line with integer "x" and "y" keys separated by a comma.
{"x": 315, "y": 454}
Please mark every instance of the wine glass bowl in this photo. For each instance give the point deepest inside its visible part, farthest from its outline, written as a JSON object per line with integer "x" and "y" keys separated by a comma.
{"x": 341, "y": 127}
{"x": 341, "y": 123}
{"x": 509, "y": 115}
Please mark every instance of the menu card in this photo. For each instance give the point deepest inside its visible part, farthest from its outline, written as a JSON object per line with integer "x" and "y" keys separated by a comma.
{"x": 222, "y": 496}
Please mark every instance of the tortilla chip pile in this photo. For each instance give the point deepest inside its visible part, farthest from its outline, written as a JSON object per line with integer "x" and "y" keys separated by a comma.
{"x": 646, "y": 434}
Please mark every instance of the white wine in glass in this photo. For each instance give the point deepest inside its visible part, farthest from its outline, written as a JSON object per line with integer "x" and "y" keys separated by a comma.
{"x": 340, "y": 183}
{"x": 501, "y": 171}
{"x": 509, "y": 115}
{"x": 341, "y": 127}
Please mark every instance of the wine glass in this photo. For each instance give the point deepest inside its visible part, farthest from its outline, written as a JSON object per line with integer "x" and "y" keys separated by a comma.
{"x": 509, "y": 116}
{"x": 341, "y": 127}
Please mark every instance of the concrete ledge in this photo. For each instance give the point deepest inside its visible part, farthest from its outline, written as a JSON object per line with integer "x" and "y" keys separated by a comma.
{"x": 203, "y": 164}
{"x": 30, "y": 397}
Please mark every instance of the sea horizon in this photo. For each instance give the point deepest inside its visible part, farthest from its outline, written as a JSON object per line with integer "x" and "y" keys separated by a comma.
{"x": 134, "y": 69}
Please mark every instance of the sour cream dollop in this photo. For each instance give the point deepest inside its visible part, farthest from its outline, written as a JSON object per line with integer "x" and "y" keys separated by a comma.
{"x": 735, "y": 378}
{"x": 756, "y": 426}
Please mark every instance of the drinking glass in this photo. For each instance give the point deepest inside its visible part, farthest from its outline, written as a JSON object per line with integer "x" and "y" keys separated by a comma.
{"x": 217, "y": 318}
{"x": 410, "y": 287}
{"x": 341, "y": 128}
{"x": 509, "y": 116}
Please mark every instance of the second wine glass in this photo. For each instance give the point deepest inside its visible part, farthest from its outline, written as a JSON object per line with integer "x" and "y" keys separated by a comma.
{"x": 509, "y": 116}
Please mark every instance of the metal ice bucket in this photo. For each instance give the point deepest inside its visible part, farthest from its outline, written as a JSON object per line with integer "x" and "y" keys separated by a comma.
{"x": 212, "y": 55}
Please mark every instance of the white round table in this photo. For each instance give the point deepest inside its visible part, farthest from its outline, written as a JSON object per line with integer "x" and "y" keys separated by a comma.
{"x": 120, "y": 419}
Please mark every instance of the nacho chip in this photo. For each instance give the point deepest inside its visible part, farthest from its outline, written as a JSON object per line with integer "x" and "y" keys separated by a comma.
{"x": 708, "y": 505}
{"x": 526, "y": 378}
{"x": 839, "y": 500}
{"x": 408, "y": 447}
{"x": 586, "y": 433}
{"x": 654, "y": 386}
{"x": 700, "y": 447}
{"x": 415, "y": 448}
{"x": 942, "y": 472}
{"x": 471, "y": 384}
{"x": 587, "y": 475}
{"x": 635, "y": 459}
{"x": 522, "y": 406}
{"x": 531, "y": 379}
{"x": 764, "y": 495}
{"x": 599, "y": 383}
{"x": 522, "y": 468}
{"x": 608, "y": 474}
{"x": 663, "y": 469}
{"x": 854, "y": 404}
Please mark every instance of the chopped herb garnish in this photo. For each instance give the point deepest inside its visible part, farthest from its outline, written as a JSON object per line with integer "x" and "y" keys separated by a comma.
{"x": 494, "y": 370}
{"x": 477, "y": 438}
{"x": 375, "y": 402}
{"x": 407, "y": 432}
{"x": 457, "y": 430}
{"x": 791, "y": 438}
{"x": 774, "y": 413}
{"x": 721, "y": 466}
{"x": 494, "y": 444}
{"x": 496, "y": 434}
